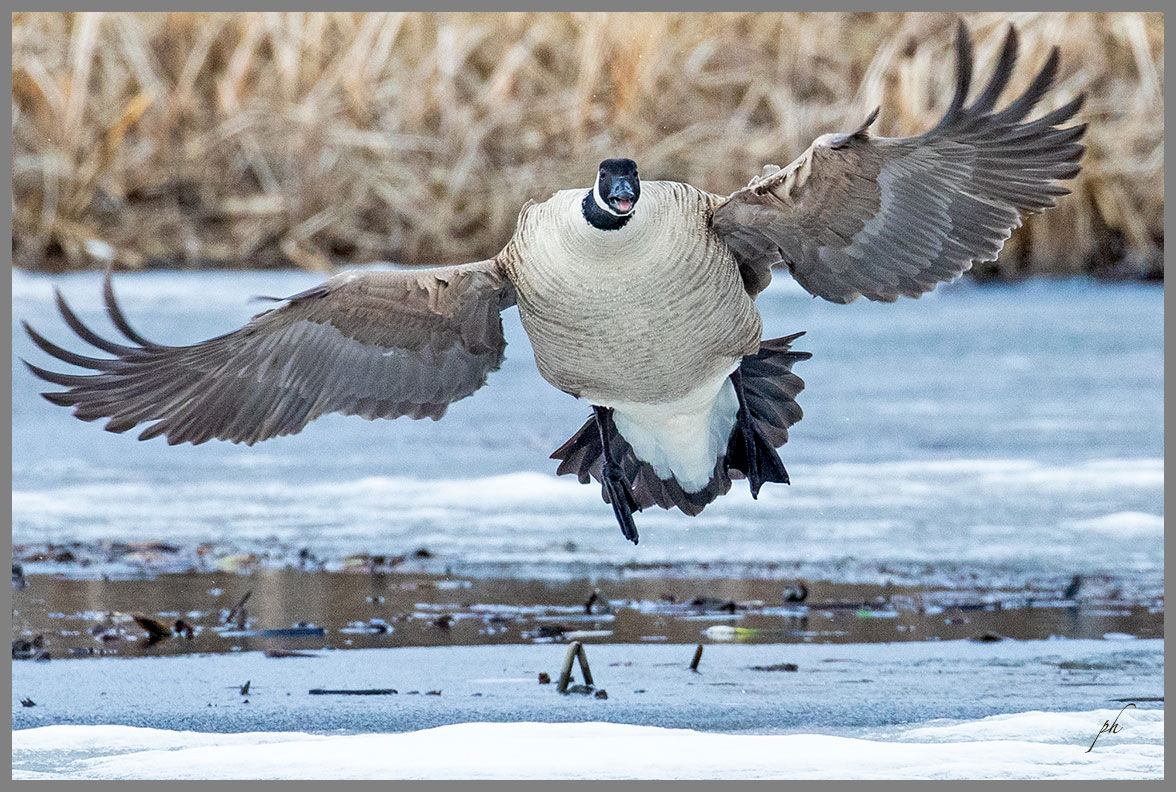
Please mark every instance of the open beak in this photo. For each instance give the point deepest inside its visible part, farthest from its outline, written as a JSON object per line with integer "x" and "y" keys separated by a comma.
{"x": 621, "y": 197}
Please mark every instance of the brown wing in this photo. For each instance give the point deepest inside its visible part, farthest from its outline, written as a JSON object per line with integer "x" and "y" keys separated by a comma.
{"x": 884, "y": 217}
{"x": 379, "y": 344}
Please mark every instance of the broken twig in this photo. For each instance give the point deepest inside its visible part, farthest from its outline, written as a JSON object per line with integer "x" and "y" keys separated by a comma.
{"x": 239, "y": 608}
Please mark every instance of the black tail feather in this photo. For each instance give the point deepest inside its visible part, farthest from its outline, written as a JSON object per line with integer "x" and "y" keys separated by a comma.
{"x": 767, "y": 391}
{"x": 748, "y": 452}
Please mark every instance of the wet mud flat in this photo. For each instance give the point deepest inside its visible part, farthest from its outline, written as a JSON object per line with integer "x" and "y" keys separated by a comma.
{"x": 286, "y": 612}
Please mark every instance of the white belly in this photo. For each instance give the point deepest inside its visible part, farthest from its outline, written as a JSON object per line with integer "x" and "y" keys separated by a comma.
{"x": 683, "y": 438}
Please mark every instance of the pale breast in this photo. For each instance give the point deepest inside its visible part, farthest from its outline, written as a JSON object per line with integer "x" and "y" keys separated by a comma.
{"x": 640, "y": 314}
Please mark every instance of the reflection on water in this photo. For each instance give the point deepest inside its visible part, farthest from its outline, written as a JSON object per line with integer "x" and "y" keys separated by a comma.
{"x": 288, "y": 610}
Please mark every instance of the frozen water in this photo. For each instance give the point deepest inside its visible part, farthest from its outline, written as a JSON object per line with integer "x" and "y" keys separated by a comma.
{"x": 950, "y": 709}
{"x": 1014, "y": 428}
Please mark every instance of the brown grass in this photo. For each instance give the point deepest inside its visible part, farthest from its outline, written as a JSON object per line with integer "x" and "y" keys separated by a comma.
{"x": 319, "y": 140}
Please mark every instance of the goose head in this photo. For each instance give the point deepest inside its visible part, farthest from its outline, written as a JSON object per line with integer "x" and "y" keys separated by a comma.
{"x": 613, "y": 198}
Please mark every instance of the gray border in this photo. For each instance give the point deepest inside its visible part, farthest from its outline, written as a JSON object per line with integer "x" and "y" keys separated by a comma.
{"x": 602, "y": 5}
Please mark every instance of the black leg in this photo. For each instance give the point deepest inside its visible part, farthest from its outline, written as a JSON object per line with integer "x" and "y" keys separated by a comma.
{"x": 749, "y": 451}
{"x": 619, "y": 492}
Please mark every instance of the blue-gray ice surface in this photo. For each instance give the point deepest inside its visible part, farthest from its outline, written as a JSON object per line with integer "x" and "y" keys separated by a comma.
{"x": 1013, "y": 430}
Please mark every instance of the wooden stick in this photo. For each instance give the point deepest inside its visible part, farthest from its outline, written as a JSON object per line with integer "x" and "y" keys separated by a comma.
{"x": 240, "y": 604}
{"x": 697, "y": 658}
{"x": 583, "y": 655}
{"x": 565, "y": 674}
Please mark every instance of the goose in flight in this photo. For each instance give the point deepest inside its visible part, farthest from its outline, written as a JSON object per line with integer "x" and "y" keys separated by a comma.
{"x": 638, "y": 297}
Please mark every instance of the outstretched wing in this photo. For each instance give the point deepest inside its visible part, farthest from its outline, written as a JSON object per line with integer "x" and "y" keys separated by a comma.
{"x": 379, "y": 344}
{"x": 883, "y": 217}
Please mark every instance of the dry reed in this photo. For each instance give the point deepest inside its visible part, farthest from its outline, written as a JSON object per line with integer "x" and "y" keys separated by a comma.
{"x": 320, "y": 140}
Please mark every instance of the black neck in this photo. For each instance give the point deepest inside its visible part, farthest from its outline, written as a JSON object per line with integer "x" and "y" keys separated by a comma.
{"x": 598, "y": 218}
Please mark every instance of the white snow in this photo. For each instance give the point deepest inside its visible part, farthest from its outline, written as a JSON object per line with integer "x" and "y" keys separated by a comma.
{"x": 1023, "y": 745}
{"x": 1123, "y": 523}
{"x": 1063, "y": 728}
{"x": 381, "y": 509}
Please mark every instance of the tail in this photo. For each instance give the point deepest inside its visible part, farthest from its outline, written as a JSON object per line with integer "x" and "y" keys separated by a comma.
{"x": 770, "y": 389}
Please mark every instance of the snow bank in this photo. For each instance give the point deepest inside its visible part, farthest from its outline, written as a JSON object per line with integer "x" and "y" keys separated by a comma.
{"x": 1025, "y": 745}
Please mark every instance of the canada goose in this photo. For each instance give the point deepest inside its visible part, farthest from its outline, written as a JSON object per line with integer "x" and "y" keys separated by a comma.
{"x": 638, "y": 297}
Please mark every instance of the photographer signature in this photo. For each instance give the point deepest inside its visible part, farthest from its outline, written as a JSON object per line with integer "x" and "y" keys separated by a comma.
{"x": 1109, "y": 727}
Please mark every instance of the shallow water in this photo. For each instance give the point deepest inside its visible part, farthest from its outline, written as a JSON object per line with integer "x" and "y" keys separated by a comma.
{"x": 296, "y": 610}
{"x": 1009, "y": 434}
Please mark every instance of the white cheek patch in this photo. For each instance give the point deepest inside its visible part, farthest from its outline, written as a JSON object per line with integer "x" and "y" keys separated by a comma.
{"x": 601, "y": 203}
